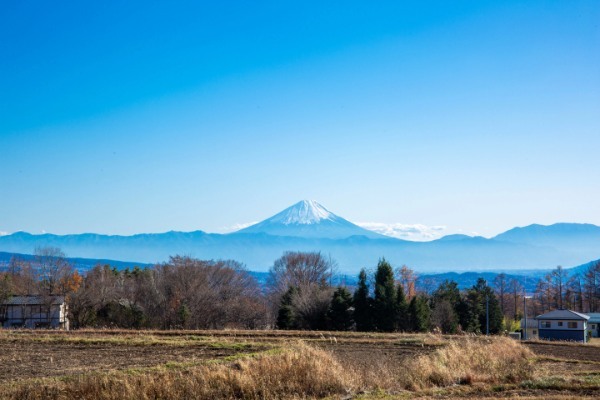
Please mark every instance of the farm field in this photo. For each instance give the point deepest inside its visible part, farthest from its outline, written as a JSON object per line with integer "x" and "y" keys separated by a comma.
{"x": 114, "y": 364}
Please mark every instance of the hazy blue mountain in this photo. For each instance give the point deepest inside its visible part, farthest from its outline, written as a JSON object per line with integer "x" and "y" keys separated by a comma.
{"x": 80, "y": 264}
{"x": 575, "y": 237}
{"x": 466, "y": 280}
{"x": 307, "y": 226}
{"x": 426, "y": 281}
{"x": 582, "y": 269}
{"x": 309, "y": 219}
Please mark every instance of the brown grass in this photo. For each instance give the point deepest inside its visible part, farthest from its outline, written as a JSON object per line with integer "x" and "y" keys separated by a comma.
{"x": 301, "y": 372}
{"x": 498, "y": 360}
{"x": 295, "y": 369}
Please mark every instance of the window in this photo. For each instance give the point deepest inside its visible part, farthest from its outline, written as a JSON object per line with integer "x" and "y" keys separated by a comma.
{"x": 545, "y": 324}
{"x": 559, "y": 323}
{"x": 535, "y": 331}
{"x": 572, "y": 325}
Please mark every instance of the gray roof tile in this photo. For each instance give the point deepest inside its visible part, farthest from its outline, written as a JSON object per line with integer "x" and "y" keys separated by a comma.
{"x": 564, "y": 314}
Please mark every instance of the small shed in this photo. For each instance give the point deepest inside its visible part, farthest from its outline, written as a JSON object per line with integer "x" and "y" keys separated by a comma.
{"x": 594, "y": 324}
{"x": 563, "y": 325}
{"x": 34, "y": 312}
{"x": 532, "y": 328}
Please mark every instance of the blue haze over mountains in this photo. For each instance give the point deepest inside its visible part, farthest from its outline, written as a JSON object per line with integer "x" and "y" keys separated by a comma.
{"x": 308, "y": 226}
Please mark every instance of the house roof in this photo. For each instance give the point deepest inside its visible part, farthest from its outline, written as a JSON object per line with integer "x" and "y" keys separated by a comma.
{"x": 564, "y": 314}
{"x": 594, "y": 318}
{"x": 33, "y": 300}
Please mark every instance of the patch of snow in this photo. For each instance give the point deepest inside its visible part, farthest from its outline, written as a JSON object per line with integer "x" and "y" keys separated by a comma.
{"x": 305, "y": 212}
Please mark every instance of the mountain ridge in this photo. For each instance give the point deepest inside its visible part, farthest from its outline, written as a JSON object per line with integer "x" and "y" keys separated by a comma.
{"x": 308, "y": 226}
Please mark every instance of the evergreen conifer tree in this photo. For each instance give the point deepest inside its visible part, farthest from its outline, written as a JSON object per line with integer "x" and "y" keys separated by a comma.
{"x": 445, "y": 306}
{"x": 472, "y": 309}
{"x": 363, "y": 311}
{"x": 340, "y": 310}
{"x": 286, "y": 315}
{"x": 419, "y": 314}
{"x": 401, "y": 310}
{"x": 496, "y": 320}
{"x": 468, "y": 311}
{"x": 385, "y": 297}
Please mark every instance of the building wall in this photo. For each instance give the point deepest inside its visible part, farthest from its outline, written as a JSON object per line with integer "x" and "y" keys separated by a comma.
{"x": 557, "y": 334}
{"x": 561, "y": 324}
{"x": 36, "y": 316}
{"x": 594, "y": 328}
{"x": 532, "y": 333}
{"x": 560, "y": 330}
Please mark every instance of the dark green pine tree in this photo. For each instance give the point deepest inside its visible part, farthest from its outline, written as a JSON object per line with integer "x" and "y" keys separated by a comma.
{"x": 384, "y": 301}
{"x": 445, "y": 304}
{"x": 468, "y": 311}
{"x": 363, "y": 310}
{"x": 496, "y": 319}
{"x": 448, "y": 291}
{"x": 286, "y": 315}
{"x": 340, "y": 313}
{"x": 472, "y": 309}
{"x": 401, "y": 310}
{"x": 419, "y": 314}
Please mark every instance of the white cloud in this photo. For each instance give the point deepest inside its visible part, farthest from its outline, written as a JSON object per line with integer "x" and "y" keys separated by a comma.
{"x": 2, "y": 233}
{"x": 416, "y": 232}
{"x": 236, "y": 227}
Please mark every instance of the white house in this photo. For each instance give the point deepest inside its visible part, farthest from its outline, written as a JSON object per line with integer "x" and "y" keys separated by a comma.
{"x": 34, "y": 312}
{"x": 563, "y": 325}
{"x": 594, "y": 324}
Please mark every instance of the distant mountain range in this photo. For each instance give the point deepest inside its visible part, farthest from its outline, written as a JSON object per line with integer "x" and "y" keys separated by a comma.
{"x": 527, "y": 278}
{"x": 308, "y": 226}
{"x": 80, "y": 264}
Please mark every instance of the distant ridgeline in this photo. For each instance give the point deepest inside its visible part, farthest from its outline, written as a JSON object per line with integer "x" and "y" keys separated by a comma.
{"x": 529, "y": 279}
{"x": 80, "y": 264}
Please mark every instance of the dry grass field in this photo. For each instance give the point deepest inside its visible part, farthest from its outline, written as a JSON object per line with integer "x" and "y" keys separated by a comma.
{"x": 112, "y": 364}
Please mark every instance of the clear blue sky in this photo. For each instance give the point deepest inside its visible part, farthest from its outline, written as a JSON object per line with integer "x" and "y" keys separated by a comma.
{"x": 128, "y": 117}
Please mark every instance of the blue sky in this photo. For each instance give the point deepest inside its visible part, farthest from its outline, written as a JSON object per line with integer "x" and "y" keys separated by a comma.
{"x": 437, "y": 116}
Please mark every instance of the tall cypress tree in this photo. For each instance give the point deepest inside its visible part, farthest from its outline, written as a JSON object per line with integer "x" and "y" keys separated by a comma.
{"x": 340, "y": 314}
{"x": 363, "y": 312}
{"x": 468, "y": 311}
{"x": 420, "y": 314}
{"x": 385, "y": 297}
{"x": 495, "y": 312}
{"x": 286, "y": 315}
{"x": 401, "y": 309}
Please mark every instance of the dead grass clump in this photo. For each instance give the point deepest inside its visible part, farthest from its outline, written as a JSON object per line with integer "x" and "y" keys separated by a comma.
{"x": 497, "y": 360}
{"x": 302, "y": 372}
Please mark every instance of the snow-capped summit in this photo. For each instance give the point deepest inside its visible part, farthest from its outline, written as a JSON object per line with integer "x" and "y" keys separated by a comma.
{"x": 310, "y": 219}
{"x": 305, "y": 212}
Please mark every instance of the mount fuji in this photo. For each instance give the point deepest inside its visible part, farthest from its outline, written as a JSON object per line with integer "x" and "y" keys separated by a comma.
{"x": 309, "y": 219}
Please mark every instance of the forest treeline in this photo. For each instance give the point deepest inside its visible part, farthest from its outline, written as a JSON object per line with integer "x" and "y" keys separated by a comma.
{"x": 187, "y": 293}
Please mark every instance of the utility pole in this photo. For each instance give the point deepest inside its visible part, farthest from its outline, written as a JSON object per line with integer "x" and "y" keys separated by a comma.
{"x": 487, "y": 315}
{"x": 525, "y": 297}
{"x": 525, "y": 317}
